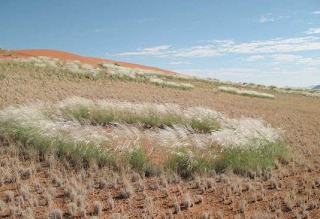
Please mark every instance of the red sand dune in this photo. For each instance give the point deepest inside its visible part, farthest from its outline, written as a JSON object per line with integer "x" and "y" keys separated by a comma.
{"x": 64, "y": 56}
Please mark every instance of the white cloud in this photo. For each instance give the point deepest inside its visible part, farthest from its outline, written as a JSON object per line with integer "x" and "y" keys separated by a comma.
{"x": 254, "y": 58}
{"x": 313, "y": 31}
{"x": 270, "y": 18}
{"x": 316, "y": 12}
{"x": 153, "y": 51}
{"x": 180, "y": 63}
{"x": 221, "y": 47}
{"x": 277, "y": 59}
{"x": 264, "y": 19}
{"x": 296, "y": 59}
{"x": 286, "y": 57}
{"x": 222, "y": 43}
{"x": 163, "y": 51}
{"x": 276, "y": 45}
{"x": 197, "y": 51}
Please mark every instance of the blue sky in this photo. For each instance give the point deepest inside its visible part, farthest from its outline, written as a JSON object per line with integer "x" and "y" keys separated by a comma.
{"x": 263, "y": 41}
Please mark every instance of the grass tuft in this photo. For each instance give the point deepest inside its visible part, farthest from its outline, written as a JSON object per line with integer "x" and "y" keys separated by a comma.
{"x": 241, "y": 160}
{"x": 186, "y": 163}
{"x": 204, "y": 125}
{"x": 248, "y": 93}
{"x": 80, "y": 154}
{"x": 102, "y": 113}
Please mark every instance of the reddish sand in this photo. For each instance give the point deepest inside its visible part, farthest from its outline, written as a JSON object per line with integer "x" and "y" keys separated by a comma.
{"x": 64, "y": 56}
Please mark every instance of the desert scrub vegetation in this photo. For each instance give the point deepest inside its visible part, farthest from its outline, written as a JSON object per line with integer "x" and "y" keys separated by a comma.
{"x": 162, "y": 83}
{"x": 105, "y": 71}
{"x": 249, "y": 93}
{"x": 113, "y": 71}
{"x": 281, "y": 90}
{"x": 242, "y": 160}
{"x": 42, "y": 68}
{"x": 120, "y": 71}
{"x": 150, "y": 115}
{"x": 154, "y": 77}
{"x": 187, "y": 163}
{"x": 124, "y": 134}
{"x": 74, "y": 67}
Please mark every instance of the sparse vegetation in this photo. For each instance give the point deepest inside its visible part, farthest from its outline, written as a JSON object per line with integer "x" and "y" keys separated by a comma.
{"x": 249, "y": 93}
{"x": 62, "y": 129}
{"x": 152, "y": 115}
{"x": 115, "y": 71}
{"x": 162, "y": 83}
{"x": 77, "y": 157}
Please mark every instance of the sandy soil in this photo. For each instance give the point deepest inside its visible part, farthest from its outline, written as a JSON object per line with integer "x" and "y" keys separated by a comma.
{"x": 298, "y": 116}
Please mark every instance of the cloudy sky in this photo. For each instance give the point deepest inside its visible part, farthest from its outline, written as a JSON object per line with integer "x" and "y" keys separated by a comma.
{"x": 263, "y": 41}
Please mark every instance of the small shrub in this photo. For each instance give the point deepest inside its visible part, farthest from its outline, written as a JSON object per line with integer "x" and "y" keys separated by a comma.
{"x": 149, "y": 204}
{"x": 83, "y": 212}
{"x": 110, "y": 202}
{"x": 205, "y": 215}
{"x": 176, "y": 207}
{"x": 187, "y": 201}
{"x": 8, "y": 196}
{"x": 2, "y": 205}
{"x": 72, "y": 209}
{"x": 48, "y": 199}
{"x": 26, "y": 173}
{"x": 126, "y": 191}
{"x": 13, "y": 211}
{"x": 55, "y": 214}
{"x": 242, "y": 206}
{"x": 135, "y": 177}
{"x": 115, "y": 216}
{"x": 25, "y": 192}
{"x": 97, "y": 208}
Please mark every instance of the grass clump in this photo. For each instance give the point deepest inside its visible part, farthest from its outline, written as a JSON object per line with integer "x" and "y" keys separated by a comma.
{"x": 138, "y": 160}
{"x": 187, "y": 163}
{"x": 3, "y": 76}
{"x": 150, "y": 115}
{"x": 64, "y": 130}
{"x": 80, "y": 153}
{"x": 241, "y": 160}
{"x": 171, "y": 84}
{"x": 204, "y": 125}
{"x": 248, "y": 93}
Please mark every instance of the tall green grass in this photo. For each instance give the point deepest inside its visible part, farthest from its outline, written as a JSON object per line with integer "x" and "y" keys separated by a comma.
{"x": 80, "y": 153}
{"x": 187, "y": 163}
{"x": 244, "y": 145}
{"x": 148, "y": 116}
{"x": 250, "y": 158}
